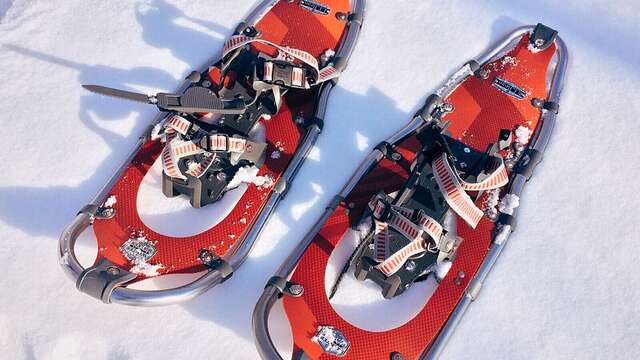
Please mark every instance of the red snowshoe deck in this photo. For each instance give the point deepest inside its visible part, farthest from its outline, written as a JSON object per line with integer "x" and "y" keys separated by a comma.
{"x": 288, "y": 24}
{"x": 479, "y": 111}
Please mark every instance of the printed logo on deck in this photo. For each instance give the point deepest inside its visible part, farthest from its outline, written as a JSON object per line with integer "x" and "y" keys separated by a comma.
{"x": 509, "y": 88}
{"x": 138, "y": 249}
{"x": 315, "y": 7}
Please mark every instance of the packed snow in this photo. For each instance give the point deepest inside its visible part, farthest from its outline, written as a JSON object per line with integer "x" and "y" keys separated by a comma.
{"x": 547, "y": 297}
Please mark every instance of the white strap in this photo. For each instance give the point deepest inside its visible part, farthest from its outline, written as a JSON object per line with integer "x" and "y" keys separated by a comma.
{"x": 327, "y": 73}
{"x": 453, "y": 188}
{"x": 399, "y": 221}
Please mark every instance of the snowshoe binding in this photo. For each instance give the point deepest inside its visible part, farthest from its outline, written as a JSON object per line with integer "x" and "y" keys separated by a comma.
{"x": 233, "y": 138}
{"x": 430, "y": 208}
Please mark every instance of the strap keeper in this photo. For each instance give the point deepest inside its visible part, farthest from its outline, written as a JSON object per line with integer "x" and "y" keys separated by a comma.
{"x": 308, "y": 122}
{"x": 542, "y": 37}
{"x": 278, "y": 283}
{"x": 339, "y": 63}
{"x": 355, "y": 18}
{"x": 546, "y": 105}
{"x": 90, "y": 209}
{"x": 216, "y": 263}
{"x": 506, "y": 219}
{"x": 528, "y": 163}
{"x": 474, "y": 66}
{"x": 335, "y": 202}
{"x": 429, "y": 106}
{"x": 205, "y": 143}
{"x": 385, "y": 148}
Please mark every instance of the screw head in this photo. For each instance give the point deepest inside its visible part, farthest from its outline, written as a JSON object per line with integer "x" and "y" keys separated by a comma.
{"x": 112, "y": 270}
{"x": 296, "y": 289}
{"x": 410, "y": 265}
{"x": 205, "y": 256}
{"x": 396, "y": 156}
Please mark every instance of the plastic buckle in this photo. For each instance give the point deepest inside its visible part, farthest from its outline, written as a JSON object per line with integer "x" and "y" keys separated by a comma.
{"x": 283, "y": 73}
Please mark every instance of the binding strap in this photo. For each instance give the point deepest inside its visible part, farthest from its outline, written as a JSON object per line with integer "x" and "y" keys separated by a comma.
{"x": 398, "y": 218}
{"x": 321, "y": 75}
{"x": 453, "y": 187}
{"x": 177, "y": 149}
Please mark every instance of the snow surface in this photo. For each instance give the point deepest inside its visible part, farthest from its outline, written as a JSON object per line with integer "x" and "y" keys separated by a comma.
{"x": 548, "y": 296}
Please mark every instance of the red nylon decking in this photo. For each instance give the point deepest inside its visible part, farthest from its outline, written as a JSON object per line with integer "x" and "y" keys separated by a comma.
{"x": 286, "y": 24}
{"x": 480, "y": 111}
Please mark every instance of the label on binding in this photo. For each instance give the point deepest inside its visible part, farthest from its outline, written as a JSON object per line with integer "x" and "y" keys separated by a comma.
{"x": 315, "y": 7}
{"x": 509, "y": 88}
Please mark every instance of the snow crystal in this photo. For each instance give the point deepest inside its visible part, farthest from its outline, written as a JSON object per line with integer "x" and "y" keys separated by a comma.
{"x": 157, "y": 129}
{"x": 249, "y": 175}
{"x": 142, "y": 267}
{"x": 502, "y": 234}
{"x": 508, "y": 203}
{"x": 442, "y": 269}
{"x": 110, "y": 201}
{"x": 533, "y": 49}
{"x": 509, "y": 60}
{"x": 192, "y": 165}
{"x": 523, "y": 134}
{"x": 457, "y": 76}
{"x": 493, "y": 197}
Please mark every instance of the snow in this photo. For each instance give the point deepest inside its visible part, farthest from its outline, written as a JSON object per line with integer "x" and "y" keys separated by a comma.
{"x": 142, "y": 267}
{"x": 111, "y": 200}
{"x": 547, "y": 297}
{"x": 249, "y": 175}
{"x": 508, "y": 203}
{"x": 523, "y": 134}
{"x": 175, "y": 216}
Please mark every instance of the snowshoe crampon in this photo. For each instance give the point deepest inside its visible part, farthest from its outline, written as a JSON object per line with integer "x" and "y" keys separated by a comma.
{"x": 430, "y": 208}
{"x": 224, "y": 150}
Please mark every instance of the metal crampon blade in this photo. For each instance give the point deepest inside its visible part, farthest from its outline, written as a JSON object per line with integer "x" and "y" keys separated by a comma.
{"x": 120, "y": 94}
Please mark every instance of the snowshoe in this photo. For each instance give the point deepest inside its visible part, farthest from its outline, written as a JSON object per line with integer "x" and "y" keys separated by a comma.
{"x": 224, "y": 149}
{"x": 424, "y": 218}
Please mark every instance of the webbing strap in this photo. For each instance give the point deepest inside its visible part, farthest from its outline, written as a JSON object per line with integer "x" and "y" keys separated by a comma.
{"x": 179, "y": 124}
{"x": 176, "y": 148}
{"x": 453, "y": 188}
{"x": 398, "y": 219}
{"x": 322, "y": 75}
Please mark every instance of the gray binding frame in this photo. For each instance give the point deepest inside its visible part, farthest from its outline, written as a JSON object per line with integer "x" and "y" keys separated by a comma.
{"x": 237, "y": 254}
{"x": 539, "y": 142}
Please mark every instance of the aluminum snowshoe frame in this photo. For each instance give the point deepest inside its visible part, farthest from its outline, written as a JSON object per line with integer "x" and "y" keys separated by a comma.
{"x": 279, "y": 285}
{"x": 108, "y": 281}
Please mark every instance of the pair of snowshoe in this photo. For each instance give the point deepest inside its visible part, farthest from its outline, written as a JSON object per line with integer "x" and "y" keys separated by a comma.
{"x": 437, "y": 200}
